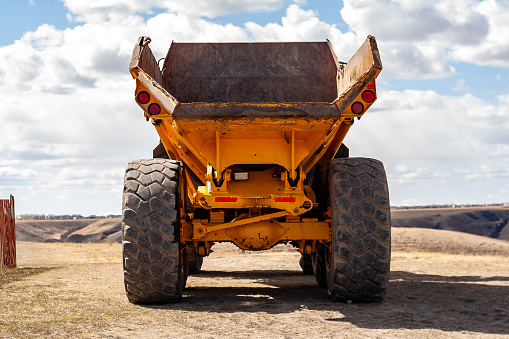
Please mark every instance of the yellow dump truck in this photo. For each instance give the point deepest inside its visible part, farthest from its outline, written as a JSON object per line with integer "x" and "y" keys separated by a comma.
{"x": 252, "y": 153}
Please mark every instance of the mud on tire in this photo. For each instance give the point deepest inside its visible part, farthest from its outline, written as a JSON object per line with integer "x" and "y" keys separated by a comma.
{"x": 153, "y": 269}
{"x": 357, "y": 264}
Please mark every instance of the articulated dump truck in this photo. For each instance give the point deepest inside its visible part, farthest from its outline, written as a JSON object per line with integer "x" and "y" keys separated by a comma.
{"x": 252, "y": 153}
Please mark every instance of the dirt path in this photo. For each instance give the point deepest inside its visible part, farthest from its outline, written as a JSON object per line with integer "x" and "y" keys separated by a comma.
{"x": 80, "y": 294}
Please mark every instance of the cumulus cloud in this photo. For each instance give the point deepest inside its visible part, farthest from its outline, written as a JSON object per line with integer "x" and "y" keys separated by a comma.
{"x": 100, "y": 10}
{"x": 304, "y": 25}
{"x": 402, "y": 174}
{"x": 410, "y": 61}
{"x": 426, "y": 126}
{"x": 493, "y": 50}
{"x": 167, "y": 27}
{"x": 482, "y": 172}
{"x": 421, "y": 39}
{"x": 20, "y": 64}
{"x": 75, "y": 145}
{"x": 427, "y": 139}
{"x": 449, "y": 21}
{"x": 298, "y": 24}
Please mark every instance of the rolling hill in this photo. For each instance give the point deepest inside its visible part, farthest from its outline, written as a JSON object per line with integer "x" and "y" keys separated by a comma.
{"x": 489, "y": 222}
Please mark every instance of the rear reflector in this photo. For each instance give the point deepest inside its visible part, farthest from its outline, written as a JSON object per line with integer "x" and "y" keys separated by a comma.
{"x": 284, "y": 199}
{"x": 226, "y": 199}
{"x": 154, "y": 109}
{"x": 368, "y": 96}
{"x": 357, "y": 108}
{"x": 143, "y": 97}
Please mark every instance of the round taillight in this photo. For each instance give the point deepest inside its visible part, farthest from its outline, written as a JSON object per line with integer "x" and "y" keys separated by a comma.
{"x": 143, "y": 97}
{"x": 368, "y": 96}
{"x": 154, "y": 109}
{"x": 357, "y": 108}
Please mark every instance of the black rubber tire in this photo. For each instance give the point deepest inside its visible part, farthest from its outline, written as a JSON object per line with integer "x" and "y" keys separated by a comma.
{"x": 306, "y": 264}
{"x": 319, "y": 271}
{"x": 358, "y": 264}
{"x": 194, "y": 261}
{"x": 154, "y": 272}
{"x": 321, "y": 189}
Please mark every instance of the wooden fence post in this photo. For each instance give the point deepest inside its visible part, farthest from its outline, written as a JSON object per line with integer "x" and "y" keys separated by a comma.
{"x": 7, "y": 234}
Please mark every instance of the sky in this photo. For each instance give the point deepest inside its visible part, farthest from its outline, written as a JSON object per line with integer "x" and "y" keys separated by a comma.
{"x": 69, "y": 123}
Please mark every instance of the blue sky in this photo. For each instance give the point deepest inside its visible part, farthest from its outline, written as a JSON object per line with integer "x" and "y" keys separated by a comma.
{"x": 22, "y": 15}
{"x": 70, "y": 124}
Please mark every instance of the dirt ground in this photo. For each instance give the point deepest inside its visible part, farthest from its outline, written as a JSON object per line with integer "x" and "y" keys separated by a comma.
{"x": 76, "y": 290}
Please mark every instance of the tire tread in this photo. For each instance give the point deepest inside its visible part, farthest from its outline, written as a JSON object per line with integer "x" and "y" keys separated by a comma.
{"x": 150, "y": 245}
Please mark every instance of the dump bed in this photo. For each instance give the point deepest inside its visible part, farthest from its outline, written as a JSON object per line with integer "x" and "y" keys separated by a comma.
{"x": 290, "y": 104}
{"x": 286, "y": 72}
{"x": 220, "y": 86}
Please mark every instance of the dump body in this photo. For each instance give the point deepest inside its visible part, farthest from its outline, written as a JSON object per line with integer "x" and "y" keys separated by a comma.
{"x": 250, "y": 121}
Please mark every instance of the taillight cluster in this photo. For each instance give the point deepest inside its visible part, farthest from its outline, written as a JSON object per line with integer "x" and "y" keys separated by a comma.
{"x": 143, "y": 98}
{"x": 367, "y": 96}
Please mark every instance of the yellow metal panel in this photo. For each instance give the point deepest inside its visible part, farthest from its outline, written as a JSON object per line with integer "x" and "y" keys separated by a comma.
{"x": 293, "y": 231}
{"x": 254, "y": 151}
{"x": 261, "y": 190}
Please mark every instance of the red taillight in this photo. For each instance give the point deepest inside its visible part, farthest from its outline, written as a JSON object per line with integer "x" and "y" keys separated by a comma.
{"x": 143, "y": 97}
{"x": 284, "y": 199}
{"x": 368, "y": 96}
{"x": 357, "y": 108}
{"x": 226, "y": 199}
{"x": 154, "y": 109}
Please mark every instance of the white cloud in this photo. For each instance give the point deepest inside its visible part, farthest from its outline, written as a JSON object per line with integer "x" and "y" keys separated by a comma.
{"x": 20, "y": 64}
{"x": 297, "y": 25}
{"x": 302, "y": 25}
{"x": 427, "y": 139}
{"x": 100, "y": 10}
{"x": 420, "y": 39}
{"x": 493, "y": 49}
{"x": 423, "y": 125}
{"x": 460, "y": 86}
{"x": 482, "y": 172}
{"x": 166, "y": 27}
{"x": 448, "y": 21}
{"x": 413, "y": 61}
{"x": 404, "y": 175}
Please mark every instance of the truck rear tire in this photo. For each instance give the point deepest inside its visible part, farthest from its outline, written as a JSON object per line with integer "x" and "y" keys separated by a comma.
{"x": 318, "y": 261}
{"x": 194, "y": 261}
{"x": 155, "y": 269}
{"x": 306, "y": 264}
{"x": 357, "y": 265}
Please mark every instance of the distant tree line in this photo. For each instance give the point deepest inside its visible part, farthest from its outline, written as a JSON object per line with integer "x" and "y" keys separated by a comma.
{"x": 93, "y": 216}
{"x": 64, "y": 217}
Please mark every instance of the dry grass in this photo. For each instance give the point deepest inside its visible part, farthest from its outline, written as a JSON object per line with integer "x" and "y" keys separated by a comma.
{"x": 9, "y": 276}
